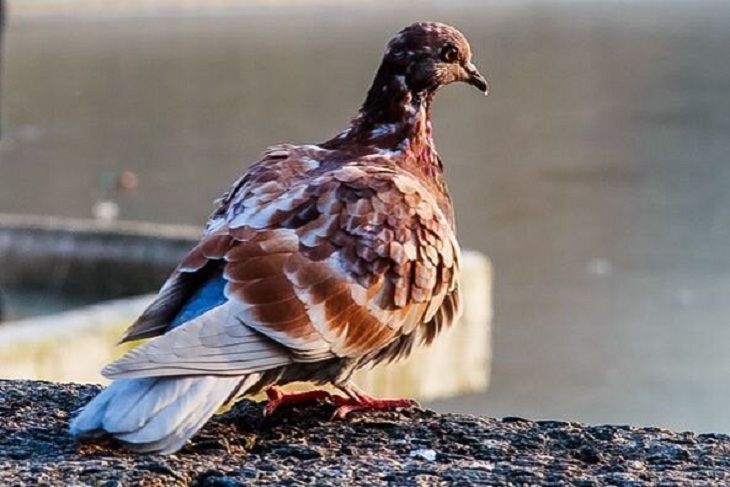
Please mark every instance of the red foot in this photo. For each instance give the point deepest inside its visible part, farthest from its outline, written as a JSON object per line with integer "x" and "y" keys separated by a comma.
{"x": 278, "y": 398}
{"x": 358, "y": 400}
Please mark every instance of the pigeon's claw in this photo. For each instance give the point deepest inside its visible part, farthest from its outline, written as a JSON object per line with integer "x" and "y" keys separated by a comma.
{"x": 347, "y": 405}
{"x": 278, "y": 398}
{"x": 357, "y": 400}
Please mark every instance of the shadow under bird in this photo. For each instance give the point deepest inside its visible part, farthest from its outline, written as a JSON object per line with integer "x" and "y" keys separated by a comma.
{"x": 321, "y": 259}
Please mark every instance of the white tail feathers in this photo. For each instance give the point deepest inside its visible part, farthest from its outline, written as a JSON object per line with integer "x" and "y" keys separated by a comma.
{"x": 156, "y": 414}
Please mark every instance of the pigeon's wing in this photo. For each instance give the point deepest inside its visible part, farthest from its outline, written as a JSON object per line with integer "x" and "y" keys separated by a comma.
{"x": 333, "y": 263}
{"x": 204, "y": 262}
{"x": 213, "y": 343}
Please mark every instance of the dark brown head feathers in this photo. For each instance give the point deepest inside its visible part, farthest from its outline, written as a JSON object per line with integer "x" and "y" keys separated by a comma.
{"x": 427, "y": 56}
{"x": 426, "y": 39}
{"x": 418, "y": 61}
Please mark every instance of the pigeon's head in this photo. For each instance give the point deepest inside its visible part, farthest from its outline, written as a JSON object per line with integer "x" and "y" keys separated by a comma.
{"x": 430, "y": 55}
{"x": 418, "y": 61}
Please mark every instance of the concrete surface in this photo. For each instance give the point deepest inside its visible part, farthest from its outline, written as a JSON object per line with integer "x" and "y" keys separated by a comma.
{"x": 305, "y": 447}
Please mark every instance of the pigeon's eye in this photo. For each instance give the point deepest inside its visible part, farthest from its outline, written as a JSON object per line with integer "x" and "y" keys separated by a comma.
{"x": 450, "y": 54}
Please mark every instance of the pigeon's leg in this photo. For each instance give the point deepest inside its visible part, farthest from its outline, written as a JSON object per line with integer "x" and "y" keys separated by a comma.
{"x": 278, "y": 398}
{"x": 357, "y": 400}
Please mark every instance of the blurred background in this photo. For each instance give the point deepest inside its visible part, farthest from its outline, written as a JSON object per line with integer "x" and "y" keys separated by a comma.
{"x": 595, "y": 175}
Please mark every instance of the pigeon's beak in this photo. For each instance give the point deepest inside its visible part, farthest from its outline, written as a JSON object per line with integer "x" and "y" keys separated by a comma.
{"x": 475, "y": 78}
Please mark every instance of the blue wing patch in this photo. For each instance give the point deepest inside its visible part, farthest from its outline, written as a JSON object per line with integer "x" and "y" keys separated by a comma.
{"x": 207, "y": 297}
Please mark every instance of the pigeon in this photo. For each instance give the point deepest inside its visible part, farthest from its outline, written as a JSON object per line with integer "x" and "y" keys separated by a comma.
{"x": 320, "y": 260}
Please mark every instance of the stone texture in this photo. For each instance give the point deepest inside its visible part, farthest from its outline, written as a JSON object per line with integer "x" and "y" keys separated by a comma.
{"x": 304, "y": 447}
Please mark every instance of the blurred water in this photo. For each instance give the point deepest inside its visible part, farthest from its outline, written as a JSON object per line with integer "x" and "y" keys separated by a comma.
{"x": 23, "y": 303}
{"x": 595, "y": 175}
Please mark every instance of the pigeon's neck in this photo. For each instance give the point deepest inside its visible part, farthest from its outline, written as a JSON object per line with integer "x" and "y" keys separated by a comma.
{"x": 394, "y": 120}
{"x": 398, "y": 123}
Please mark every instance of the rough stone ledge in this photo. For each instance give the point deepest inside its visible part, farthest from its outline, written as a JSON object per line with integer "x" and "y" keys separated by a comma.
{"x": 303, "y": 447}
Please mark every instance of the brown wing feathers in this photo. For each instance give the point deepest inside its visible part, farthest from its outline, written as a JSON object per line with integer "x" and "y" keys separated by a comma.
{"x": 338, "y": 263}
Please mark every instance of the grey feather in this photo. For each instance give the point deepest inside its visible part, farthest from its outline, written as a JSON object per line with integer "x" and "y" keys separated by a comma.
{"x": 156, "y": 414}
{"x": 206, "y": 345}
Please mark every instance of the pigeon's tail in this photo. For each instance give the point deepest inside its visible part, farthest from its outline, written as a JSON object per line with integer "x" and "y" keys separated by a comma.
{"x": 157, "y": 414}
